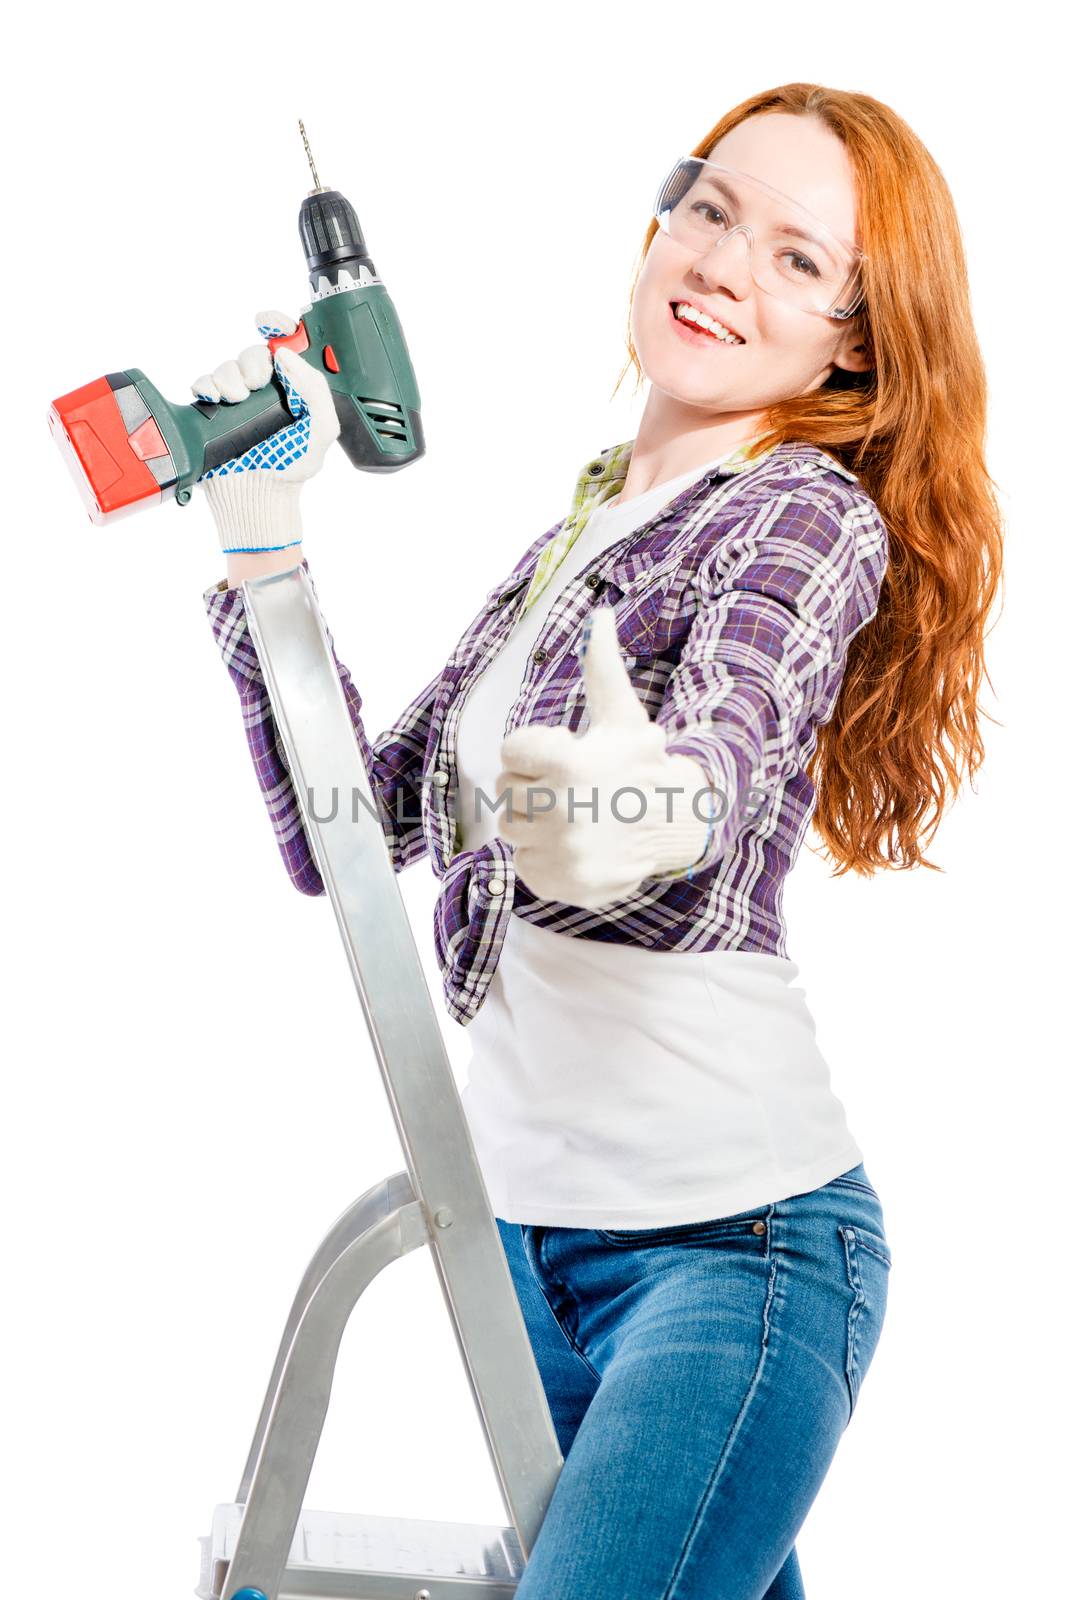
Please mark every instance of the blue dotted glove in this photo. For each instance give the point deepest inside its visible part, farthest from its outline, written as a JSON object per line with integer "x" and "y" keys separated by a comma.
{"x": 254, "y": 497}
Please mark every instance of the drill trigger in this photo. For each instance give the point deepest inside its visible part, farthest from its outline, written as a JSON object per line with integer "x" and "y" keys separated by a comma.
{"x": 297, "y": 341}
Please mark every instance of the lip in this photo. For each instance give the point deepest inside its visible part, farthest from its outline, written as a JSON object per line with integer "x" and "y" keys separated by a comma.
{"x": 708, "y": 312}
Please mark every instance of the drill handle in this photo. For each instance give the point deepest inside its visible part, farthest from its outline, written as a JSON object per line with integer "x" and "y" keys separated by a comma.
{"x": 233, "y": 428}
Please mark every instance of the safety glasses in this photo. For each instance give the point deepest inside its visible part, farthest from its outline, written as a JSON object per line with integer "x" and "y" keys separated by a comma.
{"x": 792, "y": 254}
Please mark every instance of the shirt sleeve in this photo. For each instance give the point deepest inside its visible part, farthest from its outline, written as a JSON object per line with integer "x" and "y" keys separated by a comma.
{"x": 779, "y": 598}
{"x": 394, "y": 762}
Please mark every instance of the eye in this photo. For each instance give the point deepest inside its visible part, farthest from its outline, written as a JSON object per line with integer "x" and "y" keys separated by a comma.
{"x": 706, "y": 205}
{"x": 811, "y": 269}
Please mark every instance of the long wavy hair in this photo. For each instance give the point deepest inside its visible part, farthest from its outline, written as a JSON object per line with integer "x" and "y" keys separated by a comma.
{"x": 906, "y": 722}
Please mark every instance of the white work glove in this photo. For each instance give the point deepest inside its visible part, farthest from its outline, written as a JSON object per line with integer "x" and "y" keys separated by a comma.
{"x": 594, "y": 863}
{"x": 254, "y": 498}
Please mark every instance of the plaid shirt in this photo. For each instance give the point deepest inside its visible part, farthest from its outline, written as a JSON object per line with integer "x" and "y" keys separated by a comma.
{"x": 735, "y": 605}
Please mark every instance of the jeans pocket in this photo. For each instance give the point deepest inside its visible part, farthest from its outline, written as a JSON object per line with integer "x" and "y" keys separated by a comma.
{"x": 746, "y": 1230}
{"x": 868, "y": 1262}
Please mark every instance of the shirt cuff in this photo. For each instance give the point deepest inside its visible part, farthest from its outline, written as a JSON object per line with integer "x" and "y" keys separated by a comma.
{"x": 226, "y": 614}
{"x": 715, "y": 803}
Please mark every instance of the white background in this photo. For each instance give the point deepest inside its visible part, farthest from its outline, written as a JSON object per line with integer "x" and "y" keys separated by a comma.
{"x": 191, "y": 1095}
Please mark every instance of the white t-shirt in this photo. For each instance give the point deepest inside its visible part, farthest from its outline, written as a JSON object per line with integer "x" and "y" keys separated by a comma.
{"x": 612, "y": 1086}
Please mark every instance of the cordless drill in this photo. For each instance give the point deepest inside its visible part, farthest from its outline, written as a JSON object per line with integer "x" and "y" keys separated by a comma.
{"x": 127, "y": 446}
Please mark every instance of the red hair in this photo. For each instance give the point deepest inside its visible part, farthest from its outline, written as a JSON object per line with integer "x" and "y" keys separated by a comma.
{"x": 906, "y": 722}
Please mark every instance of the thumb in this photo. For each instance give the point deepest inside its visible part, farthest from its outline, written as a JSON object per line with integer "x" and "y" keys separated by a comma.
{"x": 609, "y": 692}
{"x": 308, "y": 394}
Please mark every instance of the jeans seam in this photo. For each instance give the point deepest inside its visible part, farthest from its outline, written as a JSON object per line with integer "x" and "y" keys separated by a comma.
{"x": 850, "y": 1241}
{"x": 743, "y": 1409}
{"x": 851, "y": 1183}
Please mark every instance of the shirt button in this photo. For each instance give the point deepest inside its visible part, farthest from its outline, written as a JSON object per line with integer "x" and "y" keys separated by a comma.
{"x": 537, "y": 655}
{"x": 593, "y": 580}
{"x": 441, "y": 778}
{"x": 495, "y": 886}
{"x": 760, "y": 1227}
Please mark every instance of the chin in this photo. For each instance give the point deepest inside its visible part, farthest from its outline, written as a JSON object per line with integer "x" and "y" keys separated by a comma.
{"x": 682, "y": 388}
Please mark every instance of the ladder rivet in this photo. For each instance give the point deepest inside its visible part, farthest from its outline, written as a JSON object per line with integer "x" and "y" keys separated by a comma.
{"x": 443, "y": 1218}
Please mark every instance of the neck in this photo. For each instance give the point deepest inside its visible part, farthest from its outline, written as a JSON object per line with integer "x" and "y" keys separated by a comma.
{"x": 674, "y": 438}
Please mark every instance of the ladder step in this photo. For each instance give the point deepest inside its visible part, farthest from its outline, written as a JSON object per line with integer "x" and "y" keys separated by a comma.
{"x": 351, "y": 1556}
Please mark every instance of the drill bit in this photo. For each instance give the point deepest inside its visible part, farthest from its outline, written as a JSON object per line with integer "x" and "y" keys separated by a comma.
{"x": 319, "y": 188}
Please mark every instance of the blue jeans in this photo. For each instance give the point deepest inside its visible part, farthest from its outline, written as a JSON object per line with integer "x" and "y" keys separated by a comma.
{"x": 699, "y": 1378}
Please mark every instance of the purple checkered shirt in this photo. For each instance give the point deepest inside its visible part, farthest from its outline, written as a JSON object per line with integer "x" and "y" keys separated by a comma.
{"x": 735, "y": 605}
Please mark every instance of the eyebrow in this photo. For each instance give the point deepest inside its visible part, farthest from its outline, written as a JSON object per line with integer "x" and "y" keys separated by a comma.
{"x": 795, "y": 233}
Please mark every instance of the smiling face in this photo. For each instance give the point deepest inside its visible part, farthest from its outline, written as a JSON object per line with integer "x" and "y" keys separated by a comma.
{"x": 786, "y": 351}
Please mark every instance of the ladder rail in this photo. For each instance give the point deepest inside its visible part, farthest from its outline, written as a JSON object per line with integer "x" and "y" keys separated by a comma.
{"x": 324, "y": 756}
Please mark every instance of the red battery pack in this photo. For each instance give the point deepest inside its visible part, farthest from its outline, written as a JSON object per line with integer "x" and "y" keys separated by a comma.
{"x": 112, "y": 445}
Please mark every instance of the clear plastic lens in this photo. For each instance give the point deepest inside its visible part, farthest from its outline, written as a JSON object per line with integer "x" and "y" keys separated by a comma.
{"x": 703, "y": 218}
{"x": 792, "y": 255}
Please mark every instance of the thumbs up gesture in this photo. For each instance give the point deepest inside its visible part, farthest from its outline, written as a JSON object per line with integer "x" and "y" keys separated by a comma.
{"x": 592, "y": 815}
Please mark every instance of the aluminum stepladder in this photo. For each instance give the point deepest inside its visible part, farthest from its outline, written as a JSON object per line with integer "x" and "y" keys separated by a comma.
{"x": 266, "y": 1543}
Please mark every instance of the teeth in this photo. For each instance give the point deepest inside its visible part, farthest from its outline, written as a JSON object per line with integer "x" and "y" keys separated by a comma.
{"x": 687, "y": 313}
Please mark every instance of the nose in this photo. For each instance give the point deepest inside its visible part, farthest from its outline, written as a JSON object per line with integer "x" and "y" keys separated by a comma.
{"x": 729, "y": 262}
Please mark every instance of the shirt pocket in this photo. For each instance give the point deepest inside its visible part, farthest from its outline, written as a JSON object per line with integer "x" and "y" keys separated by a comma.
{"x": 502, "y": 593}
{"x": 654, "y": 612}
{"x": 484, "y": 624}
{"x": 637, "y": 610}
{"x": 645, "y": 640}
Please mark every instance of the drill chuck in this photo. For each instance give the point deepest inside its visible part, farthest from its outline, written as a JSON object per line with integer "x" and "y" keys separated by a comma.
{"x": 331, "y": 237}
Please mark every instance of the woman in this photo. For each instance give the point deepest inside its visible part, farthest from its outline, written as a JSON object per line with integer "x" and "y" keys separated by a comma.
{"x": 773, "y": 597}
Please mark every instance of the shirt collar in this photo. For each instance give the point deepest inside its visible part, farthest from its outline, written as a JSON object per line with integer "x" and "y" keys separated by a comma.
{"x": 594, "y": 484}
{"x": 601, "y": 479}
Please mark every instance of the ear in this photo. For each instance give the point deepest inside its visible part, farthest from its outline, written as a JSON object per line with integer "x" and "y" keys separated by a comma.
{"x": 852, "y": 354}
